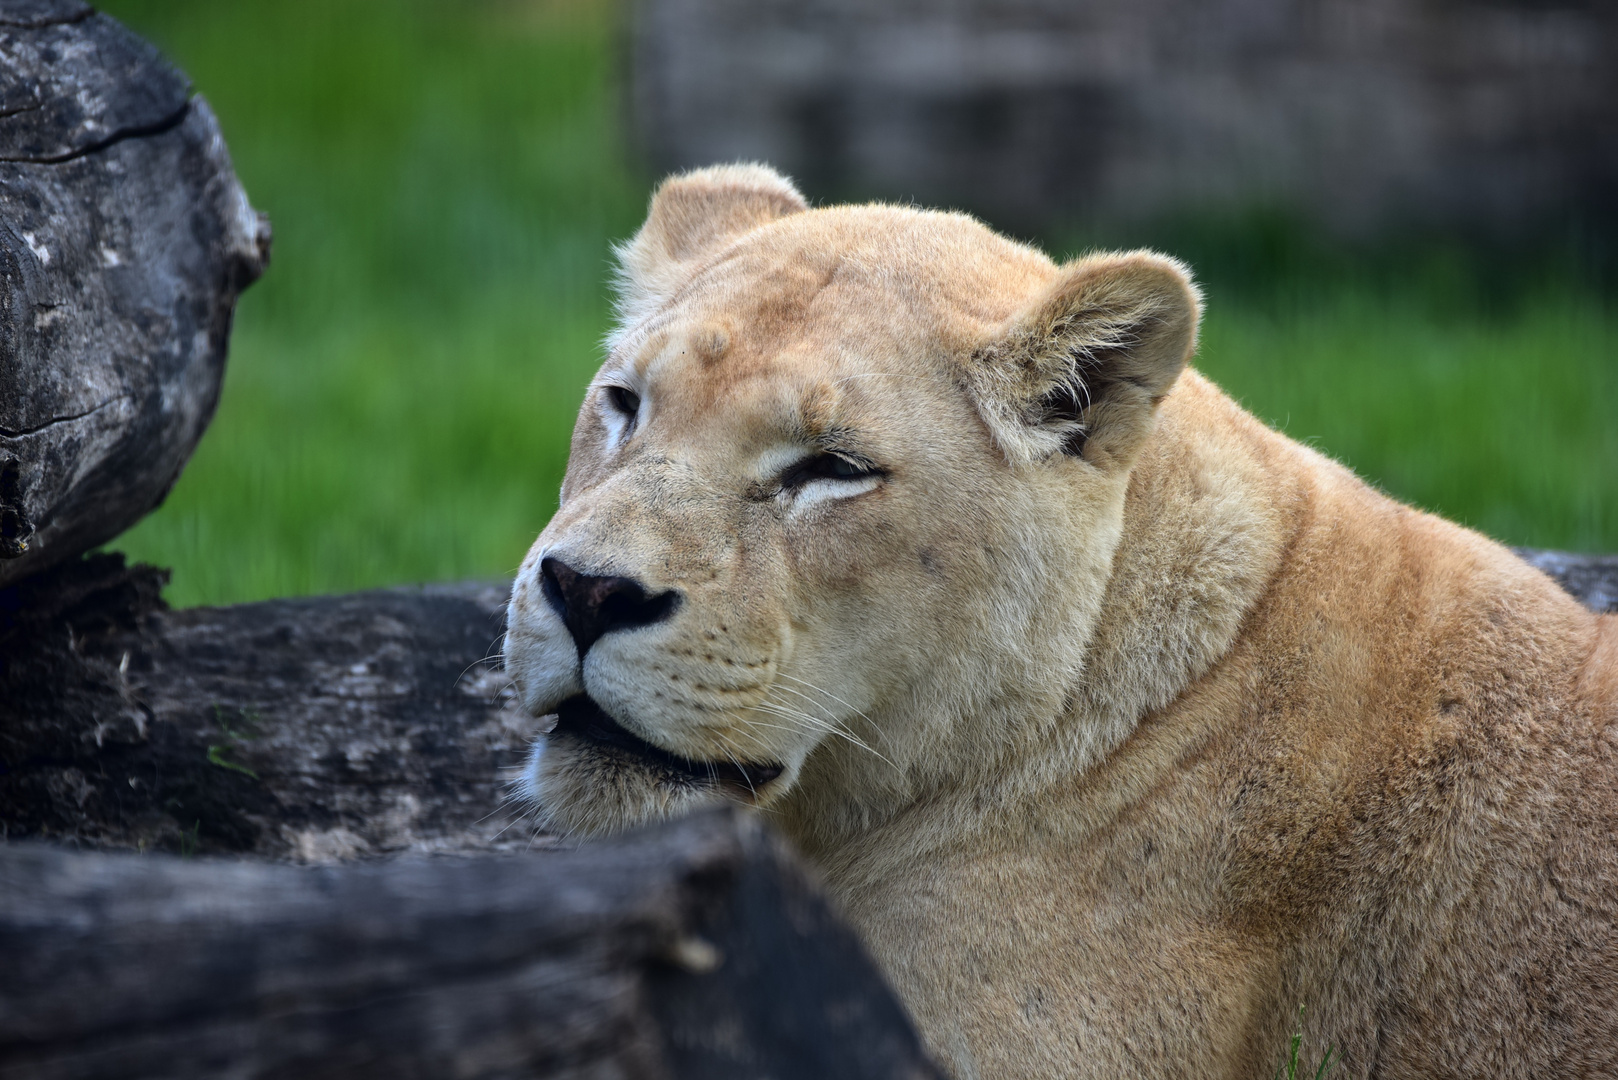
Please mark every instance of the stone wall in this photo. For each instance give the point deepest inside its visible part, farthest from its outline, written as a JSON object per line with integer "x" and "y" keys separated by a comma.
{"x": 1364, "y": 115}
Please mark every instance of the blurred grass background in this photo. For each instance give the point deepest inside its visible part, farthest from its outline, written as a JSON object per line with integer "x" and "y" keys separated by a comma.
{"x": 444, "y": 179}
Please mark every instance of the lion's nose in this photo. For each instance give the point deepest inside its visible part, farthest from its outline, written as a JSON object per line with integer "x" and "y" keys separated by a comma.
{"x": 591, "y": 606}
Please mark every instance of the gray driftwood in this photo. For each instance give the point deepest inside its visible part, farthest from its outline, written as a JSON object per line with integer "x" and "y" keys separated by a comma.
{"x": 698, "y": 950}
{"x": 124, "y": 242}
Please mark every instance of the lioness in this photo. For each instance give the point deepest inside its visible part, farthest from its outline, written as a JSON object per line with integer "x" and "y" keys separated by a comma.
{"x": 1120, "y": 725}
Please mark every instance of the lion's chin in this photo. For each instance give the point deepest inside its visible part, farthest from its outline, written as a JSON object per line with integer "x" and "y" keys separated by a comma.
{"x": 591, "y": 776}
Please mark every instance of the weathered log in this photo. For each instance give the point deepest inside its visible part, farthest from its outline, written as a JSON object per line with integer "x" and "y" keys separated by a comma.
{"x": 696, "y": 950}
{"x": 315, "y": 729}
{"x": 124, "y": 242}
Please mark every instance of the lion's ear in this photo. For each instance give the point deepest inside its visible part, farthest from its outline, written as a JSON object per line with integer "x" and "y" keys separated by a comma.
{"x": 1082, "y": 369}
{"x": 693, "y": 215}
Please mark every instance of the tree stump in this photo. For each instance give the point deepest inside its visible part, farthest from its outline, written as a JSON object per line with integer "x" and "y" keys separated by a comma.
{"x": 124, "y": 242}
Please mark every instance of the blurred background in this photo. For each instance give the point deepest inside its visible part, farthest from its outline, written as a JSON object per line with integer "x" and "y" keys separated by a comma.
{"x": 1402, "y": 212}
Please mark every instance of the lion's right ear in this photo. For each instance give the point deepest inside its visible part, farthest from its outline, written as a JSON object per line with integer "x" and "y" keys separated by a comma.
{"x": 693, "y": 215}
{"x": 1082, "y": 369}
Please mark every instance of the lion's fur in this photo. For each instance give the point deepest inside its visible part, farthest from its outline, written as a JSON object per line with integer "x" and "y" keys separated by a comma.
{"x": 1120, "y": 725}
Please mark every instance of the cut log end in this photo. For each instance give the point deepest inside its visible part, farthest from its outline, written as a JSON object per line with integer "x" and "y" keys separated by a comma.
{"x": 128, "y": 241}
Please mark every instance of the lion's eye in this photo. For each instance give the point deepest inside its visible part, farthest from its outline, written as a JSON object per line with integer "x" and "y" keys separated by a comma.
{"x": 828, "y": 467}
{"x": 624, "y": 400}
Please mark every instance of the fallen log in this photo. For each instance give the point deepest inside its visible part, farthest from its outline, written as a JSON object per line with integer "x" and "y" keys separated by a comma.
{"x": 329, "y": 728}
{"x": 125, "y": 240}
{"x": 696, "y": 950}
{"x": 314, "y": 729}
{"x": 326, "y": 728}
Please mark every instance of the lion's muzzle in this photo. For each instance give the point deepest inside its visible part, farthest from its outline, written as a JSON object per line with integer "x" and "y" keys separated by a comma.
{"x": 591, "y": 605}
{"x": 583, "y": 720}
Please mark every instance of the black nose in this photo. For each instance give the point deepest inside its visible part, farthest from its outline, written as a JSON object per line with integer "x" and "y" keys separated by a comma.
{"x": 591, "y": 606}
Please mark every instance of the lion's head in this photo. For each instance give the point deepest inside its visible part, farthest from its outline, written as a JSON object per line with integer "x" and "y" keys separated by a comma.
{"x": 841, "y": 504}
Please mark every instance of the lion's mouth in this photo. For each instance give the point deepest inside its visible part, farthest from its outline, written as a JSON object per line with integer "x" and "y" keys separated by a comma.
{"x": 583, "y": 719}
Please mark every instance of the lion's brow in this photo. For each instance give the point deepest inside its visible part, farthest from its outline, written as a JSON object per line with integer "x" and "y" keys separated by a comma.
{"x": 840, "y": 439}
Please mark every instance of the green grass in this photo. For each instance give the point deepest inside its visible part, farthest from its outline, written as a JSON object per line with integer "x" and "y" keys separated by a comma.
{"x": 1292, "y": 1066}
{"x": 1505, "y": 421}
{"x": 444, "y": 180}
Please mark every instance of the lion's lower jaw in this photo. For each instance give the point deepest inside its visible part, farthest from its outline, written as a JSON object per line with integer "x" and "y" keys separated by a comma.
{"x": 583, "y": 792}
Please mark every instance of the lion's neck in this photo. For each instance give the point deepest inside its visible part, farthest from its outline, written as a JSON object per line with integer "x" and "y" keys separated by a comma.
{"x": 1212, "y": 504}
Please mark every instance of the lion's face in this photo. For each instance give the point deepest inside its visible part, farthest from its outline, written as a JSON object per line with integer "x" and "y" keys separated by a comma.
{"x": 803, "y": 545}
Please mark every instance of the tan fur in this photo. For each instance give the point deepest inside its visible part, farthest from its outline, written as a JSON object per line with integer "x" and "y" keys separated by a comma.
{"x": 1120, "y": 725}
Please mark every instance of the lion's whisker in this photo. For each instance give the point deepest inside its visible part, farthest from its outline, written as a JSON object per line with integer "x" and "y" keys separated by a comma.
{"x": 830, "y": 715}
{"x": 508, "y": 825}
{"x": 841, "y": 701}
{"x": 726, "y": 746}
{"x": 879, "y": 375}
{"x": 816, "y": 723}
{"x": 505, "y": 802}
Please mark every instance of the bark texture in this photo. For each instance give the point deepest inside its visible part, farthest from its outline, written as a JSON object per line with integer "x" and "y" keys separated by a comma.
{"x": 313, "y": 729}
{"x": 697, "y": 950}
{"x": 124, "y": 242}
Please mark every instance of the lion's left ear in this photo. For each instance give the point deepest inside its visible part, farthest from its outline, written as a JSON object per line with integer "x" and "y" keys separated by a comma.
{"x": 1083, "y": 368}
{"x": 692, "y": 216}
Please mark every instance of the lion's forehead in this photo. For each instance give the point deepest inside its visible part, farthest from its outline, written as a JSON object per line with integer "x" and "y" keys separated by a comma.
{"x": 716, "y": 379}
{"x": 764, "y": 419}
{"x": 835, "y": 289}
{"x": 841, "y": 320}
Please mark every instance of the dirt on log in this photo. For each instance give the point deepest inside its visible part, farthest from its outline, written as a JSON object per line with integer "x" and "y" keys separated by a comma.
{"x": 124, "y": 242}
{"x": 698, "y": 950}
